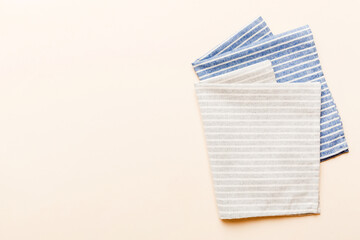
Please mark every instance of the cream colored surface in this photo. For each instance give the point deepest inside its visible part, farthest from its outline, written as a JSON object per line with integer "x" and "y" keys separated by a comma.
{"x": 100, "y": 134}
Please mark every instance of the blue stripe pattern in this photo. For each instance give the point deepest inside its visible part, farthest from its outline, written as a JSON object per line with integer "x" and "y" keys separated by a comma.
{"x": 294, "y": 59}
{"x": 255, "y": 31}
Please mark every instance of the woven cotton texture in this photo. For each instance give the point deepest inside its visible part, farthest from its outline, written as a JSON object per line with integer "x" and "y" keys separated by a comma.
{"x": 255, "y": 31}
{"x": 294, "y": 59}
{"x": 263, "y": 143}
{"x": 261, "y": 72}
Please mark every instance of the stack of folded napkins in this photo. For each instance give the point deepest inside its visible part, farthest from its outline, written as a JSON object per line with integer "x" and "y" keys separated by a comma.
{"x": 269, "y": 119}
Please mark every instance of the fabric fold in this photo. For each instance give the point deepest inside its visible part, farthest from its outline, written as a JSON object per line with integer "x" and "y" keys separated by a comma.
{"x": 294, "y": 59}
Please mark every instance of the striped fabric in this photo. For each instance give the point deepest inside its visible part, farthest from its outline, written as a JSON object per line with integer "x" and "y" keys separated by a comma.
{"x": 294, "y": 59}
{"x": 263, "y": 143}
{"x": 255, "y": 31}
{"x": 261, "y": 72}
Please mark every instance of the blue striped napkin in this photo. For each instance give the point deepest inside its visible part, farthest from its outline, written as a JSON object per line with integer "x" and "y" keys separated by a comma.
{"x": 294, "y": 59}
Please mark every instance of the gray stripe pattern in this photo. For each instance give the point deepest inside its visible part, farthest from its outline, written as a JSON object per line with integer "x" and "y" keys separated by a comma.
{"x": 263, "y": 142}
{"x": 261, "y": 72}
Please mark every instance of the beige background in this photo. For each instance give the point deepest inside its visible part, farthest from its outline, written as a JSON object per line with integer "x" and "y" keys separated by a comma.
{"x": 100, "y": 134}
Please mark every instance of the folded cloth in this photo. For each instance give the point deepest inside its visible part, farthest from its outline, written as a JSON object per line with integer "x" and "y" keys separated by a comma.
{"x": 261, "y": 72}
{"x": 263, "y": 143}
{"x": 255, "y": 31}
{"x": 294, "y": 59}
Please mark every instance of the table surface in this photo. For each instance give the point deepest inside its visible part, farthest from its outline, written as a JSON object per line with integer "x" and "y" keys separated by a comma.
{"x": 101, "y": 136}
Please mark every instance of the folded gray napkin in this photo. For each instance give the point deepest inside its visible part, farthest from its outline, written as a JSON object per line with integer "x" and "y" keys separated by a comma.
{"x": 263, "y": 142}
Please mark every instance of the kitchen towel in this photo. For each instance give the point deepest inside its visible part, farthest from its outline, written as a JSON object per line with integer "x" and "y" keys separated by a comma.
{"x": 294, "y": 59}
{"x": 263, "y": 142}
